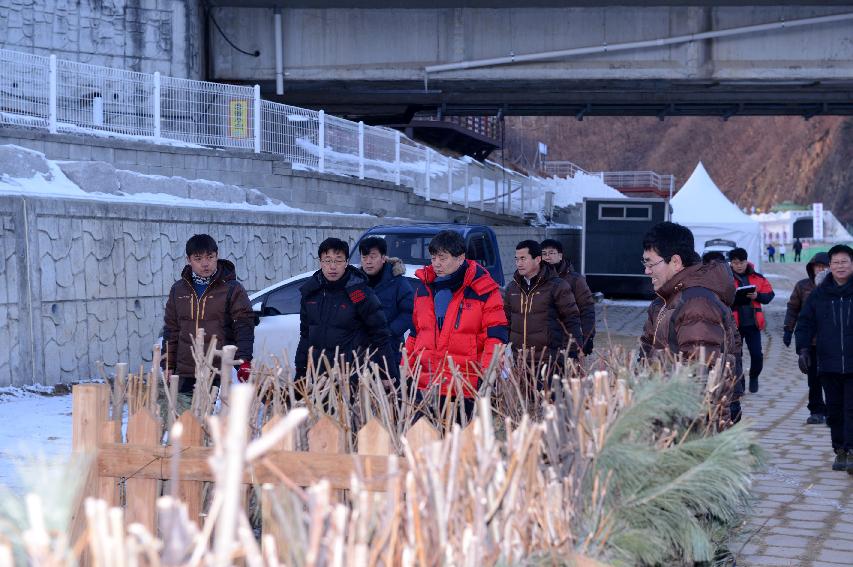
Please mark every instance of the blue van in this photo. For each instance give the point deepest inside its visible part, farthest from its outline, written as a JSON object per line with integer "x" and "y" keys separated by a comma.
{"x": 410, "y": 243}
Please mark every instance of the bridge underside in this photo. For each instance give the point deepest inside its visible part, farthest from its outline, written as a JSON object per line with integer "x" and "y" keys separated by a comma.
{"x": 558, "y": 59}
{"x": 391, "y": 101}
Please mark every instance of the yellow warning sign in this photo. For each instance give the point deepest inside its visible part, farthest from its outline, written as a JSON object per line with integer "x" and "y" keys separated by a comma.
{"x": 238, "y": 126}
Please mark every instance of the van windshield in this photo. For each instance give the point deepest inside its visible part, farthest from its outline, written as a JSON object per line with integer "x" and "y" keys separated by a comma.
{"x": 410, "y": 248}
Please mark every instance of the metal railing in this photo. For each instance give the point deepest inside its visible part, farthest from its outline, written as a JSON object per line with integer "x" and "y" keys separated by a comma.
{"x": 486, "y": 126}
{"x": 662, "y": 183}
{"x": 65, "y": 96}
{"x": 562, "y": 168}
{"x": 644, "y": 179}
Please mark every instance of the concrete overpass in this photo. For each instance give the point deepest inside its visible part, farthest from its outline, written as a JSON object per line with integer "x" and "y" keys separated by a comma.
{"x": 375, "y": 59}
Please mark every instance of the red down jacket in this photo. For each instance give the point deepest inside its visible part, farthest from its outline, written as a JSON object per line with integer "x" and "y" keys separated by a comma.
{"x": 765, "y": 296}
{"x": 474, "y": 325}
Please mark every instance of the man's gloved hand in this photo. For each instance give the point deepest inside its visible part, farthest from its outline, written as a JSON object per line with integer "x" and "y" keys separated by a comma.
{"x": 244, "y": 371}
{"x": 786, "y": 338}
{"x": 587, "y": 347}
{"x": 804, "y": 361}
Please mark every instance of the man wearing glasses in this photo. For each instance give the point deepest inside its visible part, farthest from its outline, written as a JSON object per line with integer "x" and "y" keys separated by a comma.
{"x": 691, "y": 310}
{"x": 828, "y": 318}
{"x": 340, "y": 311}
{"x": 552, "y": 253}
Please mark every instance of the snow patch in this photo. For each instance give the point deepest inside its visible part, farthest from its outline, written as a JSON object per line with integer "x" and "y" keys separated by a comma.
{"x": 54, "y": 183}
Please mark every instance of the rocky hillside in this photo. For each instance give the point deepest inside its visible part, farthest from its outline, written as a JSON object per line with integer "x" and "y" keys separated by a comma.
{"x": 756, "y": 161}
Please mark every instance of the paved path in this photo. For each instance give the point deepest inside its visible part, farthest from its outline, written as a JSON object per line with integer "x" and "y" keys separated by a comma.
{"x": 803, "y": 512}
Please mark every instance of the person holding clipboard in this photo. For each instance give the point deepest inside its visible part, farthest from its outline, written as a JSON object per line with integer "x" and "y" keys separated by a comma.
{"x": 753, "y": 291}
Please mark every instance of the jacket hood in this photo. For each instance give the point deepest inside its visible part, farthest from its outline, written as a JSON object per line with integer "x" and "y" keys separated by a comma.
{"x": 563, "y": 268}
{"x": 225, "y": 271}
{"x": 819, "y": 258}
{"x": 398, "y": 268}
{"x": 829, "y": 286}
{"x": 476, "y": 277}
{"x": 716, "y": 276}
{"x": 393, "y": 267}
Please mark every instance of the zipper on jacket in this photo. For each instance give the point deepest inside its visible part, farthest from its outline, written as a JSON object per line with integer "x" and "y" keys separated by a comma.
{"x": 196, "y": 306}
{"x": 660, "y": 316}
{"x": 841, "y": 333}
{"x": 459, "y": 314}
{"x": 526, "y": 308}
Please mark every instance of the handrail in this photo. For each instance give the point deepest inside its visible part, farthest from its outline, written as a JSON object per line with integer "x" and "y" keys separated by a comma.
{"x": 65, "y": 96}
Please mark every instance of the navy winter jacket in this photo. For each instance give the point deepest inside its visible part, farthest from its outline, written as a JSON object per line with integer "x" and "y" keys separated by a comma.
{"x": 344, "y": 315}
{"x": 828, "y": 317}
{"x": 397, "y": 298}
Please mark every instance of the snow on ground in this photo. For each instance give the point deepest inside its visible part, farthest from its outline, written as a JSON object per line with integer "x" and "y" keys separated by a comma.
{"x": 34, "y": 427}
{"x": 99, "y": 133}
{"x": 57, "y": 184}
{"x": 573, "y": 190}
{"x": 626, "y": 302}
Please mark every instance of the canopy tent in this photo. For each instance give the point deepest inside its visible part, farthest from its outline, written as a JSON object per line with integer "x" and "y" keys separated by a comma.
{"x": 702, "y": 207}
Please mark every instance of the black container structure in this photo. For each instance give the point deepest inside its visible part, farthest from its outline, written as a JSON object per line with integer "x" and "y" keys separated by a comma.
{"x": 612, "y": 244}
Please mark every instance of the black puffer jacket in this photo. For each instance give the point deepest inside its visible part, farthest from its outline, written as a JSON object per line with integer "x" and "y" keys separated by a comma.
{"x": 397, "y": 297}
{"x": 345, "y": 314}
{"x": 827, "y": 317}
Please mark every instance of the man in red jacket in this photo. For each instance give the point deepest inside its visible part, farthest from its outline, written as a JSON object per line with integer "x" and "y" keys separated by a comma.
{"x": 749, "y": 313}
{"x": 458, "y": 317}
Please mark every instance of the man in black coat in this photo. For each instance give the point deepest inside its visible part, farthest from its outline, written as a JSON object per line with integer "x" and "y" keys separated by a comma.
{"x": 828, "y": 318}
{"x": 340, "y": 311}
{"x": 387, "y": 278}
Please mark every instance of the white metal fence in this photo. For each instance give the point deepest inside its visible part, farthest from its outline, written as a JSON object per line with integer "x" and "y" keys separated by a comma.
{"x": 65, "y": 96}
{"x": 616, "y": 179}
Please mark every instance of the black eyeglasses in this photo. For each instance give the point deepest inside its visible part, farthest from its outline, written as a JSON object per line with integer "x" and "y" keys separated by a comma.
{"x": 649, "y": 265}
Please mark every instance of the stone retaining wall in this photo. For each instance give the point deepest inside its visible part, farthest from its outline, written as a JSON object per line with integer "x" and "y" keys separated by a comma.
{"x": 245, "y": 171}
{"x": 83, "y": 281}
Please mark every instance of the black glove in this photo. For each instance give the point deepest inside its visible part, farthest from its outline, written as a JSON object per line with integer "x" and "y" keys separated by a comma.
{"x": 587, "y": 347}
{"x": 804, "y": 361}
{"x": 786, "y": 338}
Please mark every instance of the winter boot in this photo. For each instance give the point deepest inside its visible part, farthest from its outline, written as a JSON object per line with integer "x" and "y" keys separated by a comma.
{"x": 841, "y": 462}
{"x": 753, "y": 384}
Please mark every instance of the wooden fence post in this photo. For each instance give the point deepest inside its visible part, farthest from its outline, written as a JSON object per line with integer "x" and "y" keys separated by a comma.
{"x": 373, "y": 439}
{"x": 327, "y": 437}
{"x": 421, "y": 434}
{"x": 269, "y": 525}
{"x": 143, "y": 429}
{"x": 89, "y": 403}
{"x": 190, "y": 491}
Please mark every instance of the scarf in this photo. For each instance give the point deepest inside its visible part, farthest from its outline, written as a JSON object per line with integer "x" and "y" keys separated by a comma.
{"x": 202, "y": 281}
{"x": 444, "y": 287}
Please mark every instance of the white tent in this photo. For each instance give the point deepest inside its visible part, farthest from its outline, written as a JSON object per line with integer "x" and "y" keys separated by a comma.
{"x": 702, "y": 207}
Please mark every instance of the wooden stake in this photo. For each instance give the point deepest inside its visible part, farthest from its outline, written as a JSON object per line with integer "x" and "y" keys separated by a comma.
{"x": 190, "y": 492}
{"x": 269, "y": 524}
{"x": 89, "y": 404}
{"x": 421, "y": 435}
{"x": 143, "y": 429}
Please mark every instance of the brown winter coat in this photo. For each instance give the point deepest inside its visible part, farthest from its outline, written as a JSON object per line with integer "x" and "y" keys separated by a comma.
{"x": 801, "y": 292}
{"x": 698, "y": 321}
{"x": 583, "y": 296}
{"x": 543, "y": 315}
{"x": 186, "y": 313}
